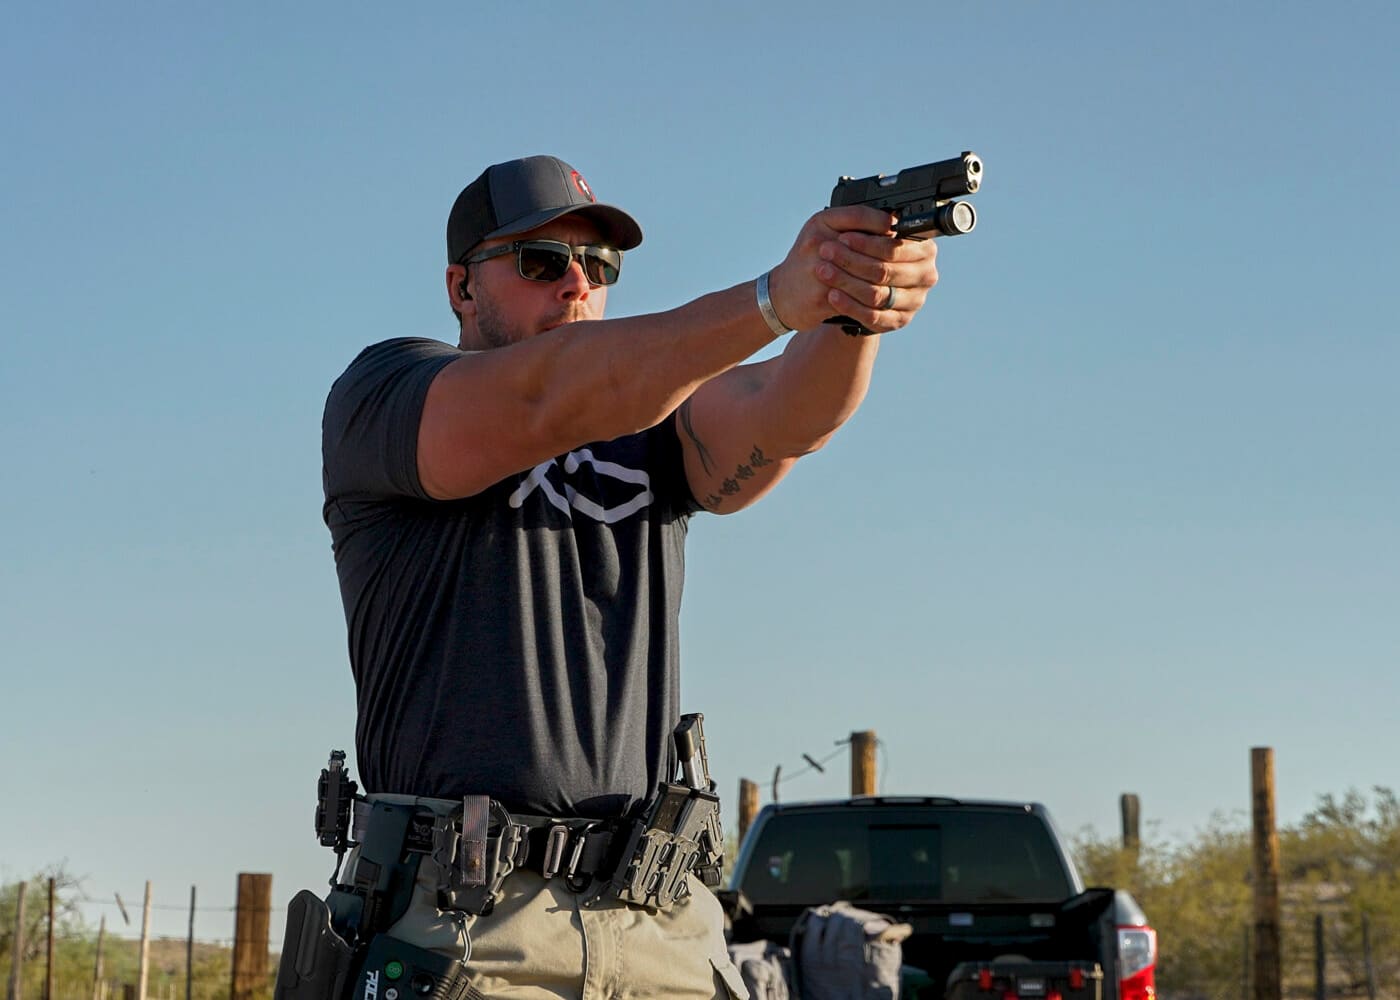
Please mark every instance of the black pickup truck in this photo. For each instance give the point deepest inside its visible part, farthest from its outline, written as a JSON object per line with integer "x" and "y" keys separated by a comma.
{"x": 986, "y": 886}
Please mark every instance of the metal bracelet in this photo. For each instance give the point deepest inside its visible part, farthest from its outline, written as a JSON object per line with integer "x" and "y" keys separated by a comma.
{"x": 765, "y": 306}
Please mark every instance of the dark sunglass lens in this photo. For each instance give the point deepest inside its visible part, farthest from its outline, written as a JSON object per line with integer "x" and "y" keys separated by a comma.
{"x": 602, "y": 264}
{"x": 543, "y": 263}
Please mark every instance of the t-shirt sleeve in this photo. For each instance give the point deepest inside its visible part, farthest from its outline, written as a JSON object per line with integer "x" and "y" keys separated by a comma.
{"x": 369, "y": 433}
{"x": 672, "y": 484}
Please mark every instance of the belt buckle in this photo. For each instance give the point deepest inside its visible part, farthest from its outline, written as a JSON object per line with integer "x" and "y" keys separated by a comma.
{"x": 563, "y": 850}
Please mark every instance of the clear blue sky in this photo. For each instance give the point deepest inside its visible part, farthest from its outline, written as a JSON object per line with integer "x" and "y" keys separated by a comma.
{"x": 1121, "y": 505}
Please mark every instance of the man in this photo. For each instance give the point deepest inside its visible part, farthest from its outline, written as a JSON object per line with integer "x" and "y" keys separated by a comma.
{"x": 508, "y": 518}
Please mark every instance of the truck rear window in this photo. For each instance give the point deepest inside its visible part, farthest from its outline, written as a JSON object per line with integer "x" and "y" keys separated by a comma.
{"x": 963, "y": 855}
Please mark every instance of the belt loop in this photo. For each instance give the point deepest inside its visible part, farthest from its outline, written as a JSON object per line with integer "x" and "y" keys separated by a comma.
{"x": 555, "y": 842}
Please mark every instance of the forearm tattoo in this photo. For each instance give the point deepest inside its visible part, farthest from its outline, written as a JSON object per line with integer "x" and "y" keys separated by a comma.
{"x": 733, "y": 485}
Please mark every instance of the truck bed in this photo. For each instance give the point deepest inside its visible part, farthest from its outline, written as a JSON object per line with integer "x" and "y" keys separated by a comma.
{"x": 947, "y": 935}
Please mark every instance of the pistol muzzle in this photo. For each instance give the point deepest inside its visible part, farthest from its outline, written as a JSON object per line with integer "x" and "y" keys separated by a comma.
{"x": 973, "y": 165}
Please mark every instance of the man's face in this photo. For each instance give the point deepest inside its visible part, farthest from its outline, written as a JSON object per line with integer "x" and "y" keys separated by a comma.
{"x": 506, "y": 308}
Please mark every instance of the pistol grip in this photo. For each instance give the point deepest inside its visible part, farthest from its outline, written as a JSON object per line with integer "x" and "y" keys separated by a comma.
{"x": 849, "y": 326}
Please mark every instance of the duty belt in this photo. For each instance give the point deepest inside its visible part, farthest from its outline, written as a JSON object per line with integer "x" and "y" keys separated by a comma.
{"x": 642, "y": 860}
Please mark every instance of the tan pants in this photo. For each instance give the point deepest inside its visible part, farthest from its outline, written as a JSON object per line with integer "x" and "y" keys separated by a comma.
{"x": 539, "y": 942}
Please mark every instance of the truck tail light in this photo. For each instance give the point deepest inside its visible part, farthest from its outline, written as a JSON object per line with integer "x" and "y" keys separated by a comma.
{"x": 1137, "y": 963}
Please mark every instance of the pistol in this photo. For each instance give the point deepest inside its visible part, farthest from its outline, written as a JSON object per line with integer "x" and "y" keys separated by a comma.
{"x": 922, "y": 199}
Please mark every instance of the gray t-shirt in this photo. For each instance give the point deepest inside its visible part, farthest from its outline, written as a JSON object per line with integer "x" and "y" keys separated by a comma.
{"x": 520, "y": 643}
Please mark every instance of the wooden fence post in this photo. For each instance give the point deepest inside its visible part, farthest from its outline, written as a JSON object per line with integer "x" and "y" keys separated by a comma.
{"x": 16, "y": 989}
{"x": 143, "y": 967}
{"x": 189, "y": 952}
{"x": 748, "y": 805}
{"x": 863, "y": 763}
{"x": 250, "y": 930}
{"x": 1131, "y": 809}
{"x": 97, "y": 966}
{"x": 49, "y": 972}
{"x": 1267, "y": 963}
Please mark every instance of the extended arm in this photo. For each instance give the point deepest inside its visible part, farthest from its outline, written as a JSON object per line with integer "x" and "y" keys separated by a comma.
{"x": 492, "y": 413}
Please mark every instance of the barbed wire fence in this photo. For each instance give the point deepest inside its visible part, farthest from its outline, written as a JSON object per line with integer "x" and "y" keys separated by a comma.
{"x": 52, "y": 951}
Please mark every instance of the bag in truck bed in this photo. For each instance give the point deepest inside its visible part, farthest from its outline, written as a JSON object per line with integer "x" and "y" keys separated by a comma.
{"x": 841, "y": 952}
{"x": 1018, "y": 980}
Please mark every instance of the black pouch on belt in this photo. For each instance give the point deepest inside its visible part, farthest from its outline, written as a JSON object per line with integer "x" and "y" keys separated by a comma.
{"x": 474, "y": 852}
{"x": 669, "y": 842}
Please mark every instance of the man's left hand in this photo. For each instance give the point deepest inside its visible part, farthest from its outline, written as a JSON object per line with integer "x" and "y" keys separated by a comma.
{"x": 902, "y": 271}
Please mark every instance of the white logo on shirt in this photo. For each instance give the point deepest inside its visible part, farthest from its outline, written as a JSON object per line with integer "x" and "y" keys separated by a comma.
{"x": 570, "y": 499}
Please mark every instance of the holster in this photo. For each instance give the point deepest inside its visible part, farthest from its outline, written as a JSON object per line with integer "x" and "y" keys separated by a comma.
{"x": 316, "y": 961}
{"x": 327, "y": 943}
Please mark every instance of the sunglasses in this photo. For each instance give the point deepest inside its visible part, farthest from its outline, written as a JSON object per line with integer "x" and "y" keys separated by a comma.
{"x": 549, "y": 260}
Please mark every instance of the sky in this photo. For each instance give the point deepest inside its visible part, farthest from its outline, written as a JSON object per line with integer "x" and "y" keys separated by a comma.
{"x": 1121, "y": 504}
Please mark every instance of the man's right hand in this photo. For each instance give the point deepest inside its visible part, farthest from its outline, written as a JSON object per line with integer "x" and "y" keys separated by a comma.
{"x": 845, "y": 261}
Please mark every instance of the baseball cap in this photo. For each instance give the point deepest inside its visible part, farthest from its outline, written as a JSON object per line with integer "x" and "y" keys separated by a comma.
{"x": 518, "y": 195}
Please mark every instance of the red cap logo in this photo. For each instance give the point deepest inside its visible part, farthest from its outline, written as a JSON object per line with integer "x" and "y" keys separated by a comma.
{"x": 582, "y": 185}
